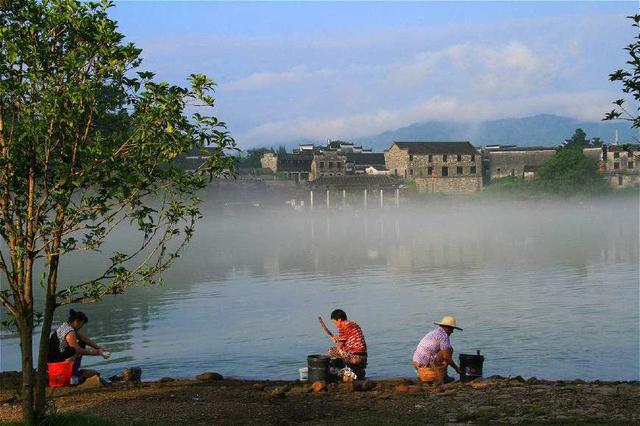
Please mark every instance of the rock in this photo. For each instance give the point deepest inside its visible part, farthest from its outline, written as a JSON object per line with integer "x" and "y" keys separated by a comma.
{"x": 406, "y": 389}
{"x": 364, "y": 386}
{"x": 209, "y": 377}
{"x": 319, "y": 386}
{"x": 258, "y": 387}
{"x": 533, "y": 380}
{"x": 299, "y": 390}
{"x": 277, "y": 393}
{"x": 166, "y": 380}
{"x": 92, "y": 382}
{"x": 519, "y": 379}
{"x": 579, "y": 382}
{"x": 132, "y": 374}
{"x": 479, "y": 385}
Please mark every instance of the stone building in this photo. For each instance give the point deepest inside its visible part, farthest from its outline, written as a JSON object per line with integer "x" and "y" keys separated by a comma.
{"x": 448, "y": 167}
{"x": 622, "y": 168}
{"x": 327, "y": 163}
{"x": 512, "y": 160}
{"x": 269, "y": 161}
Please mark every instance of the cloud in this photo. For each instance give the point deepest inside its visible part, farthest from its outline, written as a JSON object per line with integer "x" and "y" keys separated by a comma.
{"x": 584, "y": 105}
{"x": 267, "y": 80}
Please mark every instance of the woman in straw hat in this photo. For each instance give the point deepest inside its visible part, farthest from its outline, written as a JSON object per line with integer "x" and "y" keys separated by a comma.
{"x": 435, "y": 347}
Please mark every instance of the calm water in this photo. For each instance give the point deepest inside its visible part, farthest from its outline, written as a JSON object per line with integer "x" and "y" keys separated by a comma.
{"x": 541, "y": 289}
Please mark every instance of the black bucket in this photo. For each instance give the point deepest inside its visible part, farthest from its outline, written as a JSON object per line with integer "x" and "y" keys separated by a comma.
{"x": 318, "y": 368}
{"x": 472, "y": 366}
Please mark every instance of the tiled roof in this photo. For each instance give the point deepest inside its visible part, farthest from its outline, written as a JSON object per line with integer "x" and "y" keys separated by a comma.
{"x": 365, "y": 157}
{"x": 437, "y": 147}
{"x": 523, "y": 148}
{"x": 358, "y": 181}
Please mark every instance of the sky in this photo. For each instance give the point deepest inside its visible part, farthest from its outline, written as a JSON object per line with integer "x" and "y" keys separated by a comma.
{"x": 291, "y": 71}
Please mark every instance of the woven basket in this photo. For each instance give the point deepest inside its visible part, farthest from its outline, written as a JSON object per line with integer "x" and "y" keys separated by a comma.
{"x": 432, "y": 374}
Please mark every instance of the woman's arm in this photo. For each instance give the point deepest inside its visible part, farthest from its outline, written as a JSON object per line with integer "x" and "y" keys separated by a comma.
{"x": 83, "y": 337}
{"x": 72, "y": 340}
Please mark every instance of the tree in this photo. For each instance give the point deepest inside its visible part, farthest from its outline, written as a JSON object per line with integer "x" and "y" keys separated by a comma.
{"x": 282, "y": 151}
{"x": 87, "y": 145}
{"x": 253, "y": 157}
{"x": 630, "y": 80}
{"x": 569, "y": 172}
{"x": 578, "y": 140}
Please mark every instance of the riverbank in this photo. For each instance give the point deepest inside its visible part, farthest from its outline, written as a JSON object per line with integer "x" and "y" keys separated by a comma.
{"x": 389, "y": 401}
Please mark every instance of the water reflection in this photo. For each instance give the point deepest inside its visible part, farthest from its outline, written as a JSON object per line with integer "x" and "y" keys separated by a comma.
{"x": 542, "y": 289}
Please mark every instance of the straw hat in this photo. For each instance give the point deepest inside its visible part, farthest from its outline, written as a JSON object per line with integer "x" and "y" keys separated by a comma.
{"x": 449, "y": 321}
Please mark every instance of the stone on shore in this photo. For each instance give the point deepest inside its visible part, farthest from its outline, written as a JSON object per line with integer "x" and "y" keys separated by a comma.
{"x": 319, "y": 386}
{"x": 166, "y": 380}
{"x": 92, "y": 382}
{"x": 209, "y": 377}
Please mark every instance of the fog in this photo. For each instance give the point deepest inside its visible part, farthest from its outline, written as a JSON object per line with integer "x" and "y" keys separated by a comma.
{"x": 545, "y": 288}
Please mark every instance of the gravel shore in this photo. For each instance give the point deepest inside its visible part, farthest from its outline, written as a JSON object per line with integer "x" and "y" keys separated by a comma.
{"x": 212, "y": 400}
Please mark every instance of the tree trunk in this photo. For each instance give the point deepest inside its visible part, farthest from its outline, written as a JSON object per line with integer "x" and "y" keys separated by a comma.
{"x": 43, "y": 351}
{"x": 26, "y": 346}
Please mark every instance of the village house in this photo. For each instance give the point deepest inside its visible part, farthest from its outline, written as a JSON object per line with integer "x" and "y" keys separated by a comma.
{"x": 309, "y": 162}
{"x": 621, "y": 165}
{"x": 511, "y": 160}
{"x": 447, "y": 167}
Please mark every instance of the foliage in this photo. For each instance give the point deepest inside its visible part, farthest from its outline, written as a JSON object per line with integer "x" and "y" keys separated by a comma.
{"x": 252, "y": 159}
{"x": 282, "y": 150}
{"x": 87, "y": 145}
{"x": 578, "y": 140}
{"x": 569, "y": 172}
{"x": 630, "y": 80}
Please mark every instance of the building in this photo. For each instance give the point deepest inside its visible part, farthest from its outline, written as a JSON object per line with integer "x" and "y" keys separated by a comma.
{"x": 269, "y": 161}
{"x": 309, "y": 162}
{"x": 447, "y": 167}
{"x": 511, "y": 160}
{"x": 296, "y": 167}
{"x": 327, "y": 163}
{"x": 358, "y": 162}
{"x": 621, "y": 166}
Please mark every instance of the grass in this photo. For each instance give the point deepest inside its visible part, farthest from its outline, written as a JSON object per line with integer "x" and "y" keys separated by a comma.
{"x": 78, "y": 420}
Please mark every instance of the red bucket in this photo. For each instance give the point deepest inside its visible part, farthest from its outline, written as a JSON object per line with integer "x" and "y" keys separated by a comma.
{"x": 59, "y": 373}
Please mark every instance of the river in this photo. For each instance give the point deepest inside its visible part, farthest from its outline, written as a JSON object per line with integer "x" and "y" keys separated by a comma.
{"x": 543, "y": 289}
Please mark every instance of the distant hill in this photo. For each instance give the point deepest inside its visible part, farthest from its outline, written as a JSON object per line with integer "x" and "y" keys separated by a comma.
{"x": 543, "y": 130}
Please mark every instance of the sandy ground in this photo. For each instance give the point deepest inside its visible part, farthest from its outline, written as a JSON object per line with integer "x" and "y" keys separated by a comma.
{"x": 392, "y": 401}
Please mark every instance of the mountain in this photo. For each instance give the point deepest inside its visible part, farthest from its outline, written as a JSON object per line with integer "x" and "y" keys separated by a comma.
{"x": 539, "y": 130}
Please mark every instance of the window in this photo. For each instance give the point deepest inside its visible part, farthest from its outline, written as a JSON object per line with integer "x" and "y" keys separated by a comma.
{"x": 410, "y": 172}
{"x": 620, "y": 181}
{"x": 473, "y": 158}
{"x": 616, "y": 155}
{"x": 331, "y": 164}
{"x": 616, "y": 166}
{"x": 630, "y": 165}
{"x": 445, "y": 171}
{"x": 444, "y": 158}
{"x": 498, "y": 171}
{"x": 472, "y": 170}
{"x": 459, "y": 170}
{"x": 338, "y": 164}
{"x": 322, "y": 164}
{"x": 430, "y": 158}
{"x": 429, "y": 171}
{"x": 410, "y": 157}
{"x": 459, "y": 158}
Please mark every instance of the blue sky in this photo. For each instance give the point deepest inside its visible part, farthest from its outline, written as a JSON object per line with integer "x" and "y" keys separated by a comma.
{"x": 317, "y": 70}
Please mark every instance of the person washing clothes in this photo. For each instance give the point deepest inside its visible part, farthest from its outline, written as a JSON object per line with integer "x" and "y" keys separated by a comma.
{"x": 435, "y": 350}
{"x": 351, "y": 348}
{"x": 68, "y": 343}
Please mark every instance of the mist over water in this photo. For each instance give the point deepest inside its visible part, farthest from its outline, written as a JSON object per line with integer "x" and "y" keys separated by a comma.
{"x": 543, "y": 289}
